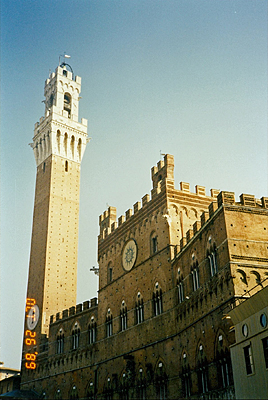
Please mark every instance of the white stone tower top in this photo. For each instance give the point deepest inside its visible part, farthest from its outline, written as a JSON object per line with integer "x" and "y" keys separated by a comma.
{"x": 59, "y": 132}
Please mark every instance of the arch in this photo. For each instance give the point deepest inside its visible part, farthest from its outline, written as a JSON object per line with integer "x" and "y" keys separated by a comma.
{"x": 185, "y": 375}
{"x": 139, "y": 308}
{"x": 92, "y": 330}
{"x": 153, "y": 243}
{"x": 72, "y": 145}
{"x": 161, "y": 379}
{"x": 257, "y": 276}
{"x": 110, "y": 272}
{"x": 243, "y": 276}
{"x": 75, "y": 336}
{"x": 202, "y": 369}
{"x": 211, "y": 254}
{"x": 79, "y": 149}
{"x": 67, "y": 103}
{"x": 123, "y": 316}
{"x": 58, "y": 394}
{"x": 60, "y": 341}
{"x": 157, "y": 300}
{"x": 180, "y": 286}
{"x": 58, "y": 140}
{"x": 73, "y": 392}
{"x": 65, "y": 143}
{"x": 109, "y": 323}
{"x": 90, "y": 390}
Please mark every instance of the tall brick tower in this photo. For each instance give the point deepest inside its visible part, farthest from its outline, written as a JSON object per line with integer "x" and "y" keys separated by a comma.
{"x": 59, "y": 143}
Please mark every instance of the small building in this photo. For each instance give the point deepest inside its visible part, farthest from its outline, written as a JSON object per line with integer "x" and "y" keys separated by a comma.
{"x": 249, "y": 353}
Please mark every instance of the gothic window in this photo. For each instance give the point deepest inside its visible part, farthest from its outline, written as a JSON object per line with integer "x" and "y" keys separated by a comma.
{"x": 123, "y": 316}
{"x": 75, "y": 336}
{"x": 58, "y": 140}
{"x": 65, "y": 142}
{"x": 90, "y": 391}
{"x": 92, "y": 331}
{"x": 212, "y": 258}
{"x": 67, "y": 103}
{"x": 124, "y": 387}
{"x": 248, "y": 360}
{"x": 202, "y": 371}
{"x": 153, "y": 244}
{"x": 157, "y": 300}
{"x": 161, "y": 382}
{"x": 108, "y": 390}
{"x": 139, "y": 309}
{"x": 141, "y": 385}
{"x": 79, "y": 148}
{"x": 109, "y": 323}
{"x": 180, "y": 287}
{"x": 72, "y": 145}
{"x": 74, "y": 393}
{"x": 195, "y": 276}
{"x": 265, "y": 350}
{"x": 60, "y": 342}
{"x": 186, "y": 377}
{"x": 110, "y": 272}
{"x": 58, "y": 395}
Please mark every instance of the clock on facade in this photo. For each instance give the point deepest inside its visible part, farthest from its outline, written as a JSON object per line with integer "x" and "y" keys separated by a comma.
{"x": 33, "y": 317}
{"x": 129, "y": 255}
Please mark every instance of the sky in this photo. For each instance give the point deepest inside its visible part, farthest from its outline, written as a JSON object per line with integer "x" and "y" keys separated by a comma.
{"x": 184, "y": 77}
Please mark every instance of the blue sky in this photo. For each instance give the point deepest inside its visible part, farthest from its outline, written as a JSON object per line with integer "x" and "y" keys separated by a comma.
{"x": 185, "y": 77}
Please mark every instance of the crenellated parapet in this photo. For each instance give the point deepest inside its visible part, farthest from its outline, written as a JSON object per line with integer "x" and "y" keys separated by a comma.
{"x": 164, "y": 171}
{"x": 224, "y": 198}
{"x": 74, "y": 310}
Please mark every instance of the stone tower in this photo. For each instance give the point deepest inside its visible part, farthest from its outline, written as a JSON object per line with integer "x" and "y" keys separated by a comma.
{"x": 59, "y": 143}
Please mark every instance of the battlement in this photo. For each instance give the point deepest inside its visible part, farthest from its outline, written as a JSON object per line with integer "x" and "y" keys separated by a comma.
{"x": 163, "y": 171}
{"x": 86, "y": 305}
{"x": 223, "y": 198}
{"x": 63, "y": 72}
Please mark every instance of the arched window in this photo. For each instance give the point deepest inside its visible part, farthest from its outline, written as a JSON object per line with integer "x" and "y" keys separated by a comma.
{"x": 139, "y": 309}
{"x": 157, "y": 300}
{"x": 195, "y": 276}
{"x": 161, "y": 381}
{"x": 212, "y": 257}
{"x": 66, "y": 166}
{"x": 65, "y": 144}
{"x": 79, "y": 148}
{"x": 110, "y": 272}
{"x": 72, "y": 145}
{"x": 92, "y": 328}
{"x": 58, "y": 141}
{"x": 75, "y": 336}
{"x": 74, "y": 393}
{"x": 60, "y": 342}
{"x": 153, "y": 243}
{"x": 109, "y": 323}
{"x": 90, "y": 391}
{"x": 123, "y": 316}
{"x": 223, "y": 360}
{"x": 58, "y": 395}
{"x": 141, "y": 385}
{"x": 180, "y": 287}
{"x": 186, "y": 376}
{"x": 202, "y": 371}
{"x": 67, "y": 103}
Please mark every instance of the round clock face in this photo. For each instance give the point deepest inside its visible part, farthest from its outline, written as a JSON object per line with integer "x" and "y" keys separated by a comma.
{"x": 129, "y": 255}
{"x": 33, "y": 317}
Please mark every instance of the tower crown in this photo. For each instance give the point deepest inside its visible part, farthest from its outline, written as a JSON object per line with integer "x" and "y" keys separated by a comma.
{"x": 62, "y": 93}
{"x": 59, "y": 132}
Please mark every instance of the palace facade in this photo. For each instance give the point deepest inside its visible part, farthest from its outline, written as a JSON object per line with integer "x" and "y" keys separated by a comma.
{"x": 170, "y": 270}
